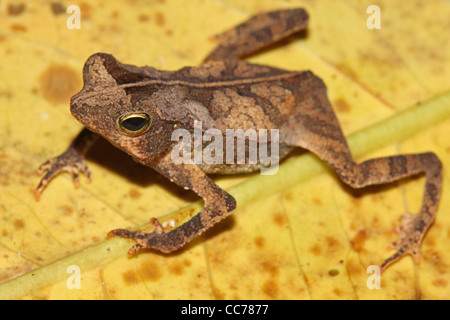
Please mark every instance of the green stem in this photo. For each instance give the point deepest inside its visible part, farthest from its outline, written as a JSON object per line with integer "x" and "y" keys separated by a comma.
{"x": 291, "y": 172}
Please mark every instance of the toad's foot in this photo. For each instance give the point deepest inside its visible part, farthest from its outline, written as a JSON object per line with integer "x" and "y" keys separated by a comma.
{"x": 411, "y": 233}
{"x": 70, "y": 161}
{"x": 144, "y": 239}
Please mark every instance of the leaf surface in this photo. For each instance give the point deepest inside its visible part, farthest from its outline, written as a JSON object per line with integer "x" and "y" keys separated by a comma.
{"x": 303, "y": 235}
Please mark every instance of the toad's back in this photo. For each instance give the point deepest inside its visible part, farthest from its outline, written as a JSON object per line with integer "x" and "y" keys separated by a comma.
{"x": 230, "y": 94}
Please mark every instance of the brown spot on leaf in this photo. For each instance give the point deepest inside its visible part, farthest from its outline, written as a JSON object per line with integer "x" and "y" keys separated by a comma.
{"x": 6, "y": 94}
{"x": 115, "y": 14}
{"x": 134, "y": 193}
{"x": 57, "y": 8}
{"x": 15, "y": 9}
{"x": 432, "y": 257}
{"x": 18, "y": 224}
{"x": 430, "y": 241}
{"x": 332, "y": 243}
{"x": 18, "y": 27}
{"x": 288, "y": 196}
{"x": 260, "y": 241}
{"x": 440, "y": 282}
{"x": 130, "y": 277}
{"x": 233, "y": 287}
{"x": 150, "y": 271}
{"x": 279, "y": 219}
{"x": 59, "y": 83}
{"x": 85, "y": 10}
{"x": 358, "y": 240}
{"x": 341, "y": 105}
{"x": 333, "y": 272}
{"x": 219, "y": 294}
{"x": 270, "y": 288}
{"x": 316, "y": 249}
{"x": 176, "y": 269}
{"x": 270, "y": 268}
{"x": 66, "y": 210}
{"x": 159, "y": 18}
{"x": 353, "y": 267}
{"x": 143, "y": 18}
{"x": 187, "y": 262}
{"x": 337, "y": 292}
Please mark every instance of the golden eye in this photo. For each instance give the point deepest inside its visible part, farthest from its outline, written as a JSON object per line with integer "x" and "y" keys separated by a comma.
{"x": 134, "y": 124}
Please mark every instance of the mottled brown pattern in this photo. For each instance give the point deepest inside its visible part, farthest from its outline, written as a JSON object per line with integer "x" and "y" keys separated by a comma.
{"x": 228, "y": 93}
{"x": 283, "y": 99}
{"x": 243, "y": 113}
{"x": 258, "y": 32}
{"x": 15, "y": 9}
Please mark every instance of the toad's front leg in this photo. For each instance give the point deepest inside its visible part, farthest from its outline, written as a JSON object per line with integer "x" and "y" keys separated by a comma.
{"x": 72, "y": 161}
{"x": 218, "y": 205}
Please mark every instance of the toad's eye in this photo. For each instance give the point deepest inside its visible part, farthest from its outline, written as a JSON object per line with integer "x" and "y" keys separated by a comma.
{"x": 134, "y": 124}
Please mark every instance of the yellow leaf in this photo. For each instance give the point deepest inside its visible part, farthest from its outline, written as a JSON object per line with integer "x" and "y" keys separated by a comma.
{"x": 300, "y": 234}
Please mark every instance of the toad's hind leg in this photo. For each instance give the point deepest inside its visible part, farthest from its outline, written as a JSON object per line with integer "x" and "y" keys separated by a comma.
{"x": 218, "y": 204}
{"x": 318, "y": 130}
{"x": 257, "y": 33}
